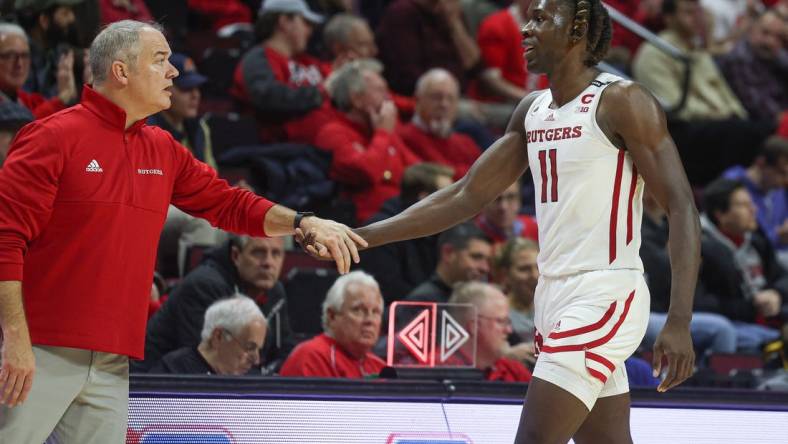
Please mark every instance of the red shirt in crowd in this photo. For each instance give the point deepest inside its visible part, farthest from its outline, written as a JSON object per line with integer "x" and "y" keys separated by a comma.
{"x": 321, "y": 356}
{"x": 457, "y": 151}
{"x": 501, "y": 45}
{"x": 82, "y": 204}
{"x": 285, "y": 94}
{"x": 524, "y": 226}
{"x": 369, "y": 165}
{"x": 39, "y": 105}
{"x": 507, "y": 370}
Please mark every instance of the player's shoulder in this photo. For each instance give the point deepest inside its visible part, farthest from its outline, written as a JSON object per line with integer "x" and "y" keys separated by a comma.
{"x": 626, "y": 99}
{"x": 626, "y": 93}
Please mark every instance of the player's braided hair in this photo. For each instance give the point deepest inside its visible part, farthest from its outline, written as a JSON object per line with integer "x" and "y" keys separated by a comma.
{"x": 592, "y": 15}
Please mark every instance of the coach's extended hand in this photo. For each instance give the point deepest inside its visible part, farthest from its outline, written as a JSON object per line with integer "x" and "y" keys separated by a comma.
{"x": 674, "y": 343}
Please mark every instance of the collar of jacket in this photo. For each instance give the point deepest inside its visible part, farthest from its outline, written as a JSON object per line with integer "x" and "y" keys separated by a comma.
{"x": 105, "y": 110}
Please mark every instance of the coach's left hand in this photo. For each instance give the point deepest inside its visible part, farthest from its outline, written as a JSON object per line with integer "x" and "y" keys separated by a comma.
{"x": 674, "y": 343}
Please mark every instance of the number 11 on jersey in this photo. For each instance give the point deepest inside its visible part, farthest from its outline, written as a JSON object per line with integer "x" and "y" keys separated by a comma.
{"x": 543, "y": 155}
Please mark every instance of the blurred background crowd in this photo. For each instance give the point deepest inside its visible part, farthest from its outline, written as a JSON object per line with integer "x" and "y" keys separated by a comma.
{"x": 357, "y": 109}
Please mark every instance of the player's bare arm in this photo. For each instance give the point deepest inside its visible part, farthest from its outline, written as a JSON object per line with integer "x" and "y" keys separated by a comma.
{"x": 499, "y": 166}
{"x": 632, "y": 118}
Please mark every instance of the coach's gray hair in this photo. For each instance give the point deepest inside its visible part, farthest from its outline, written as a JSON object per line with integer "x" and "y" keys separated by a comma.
{"x": 231, "y": 314}
{"x": 118, "y": 41}
{"x": 338, "y": 29}
{"x": 12, "y": 29}
{"x": 349, "y": 80}
{"x": 338, "y": 291}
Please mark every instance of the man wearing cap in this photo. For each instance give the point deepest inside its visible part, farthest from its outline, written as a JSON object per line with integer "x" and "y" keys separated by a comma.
{"x": 276, "y": 80}
{"x": 83, "y": 196}
{"x": 12, "y": 117}
{"x": 15, "y": 68}
{"x": 52, "y": 26}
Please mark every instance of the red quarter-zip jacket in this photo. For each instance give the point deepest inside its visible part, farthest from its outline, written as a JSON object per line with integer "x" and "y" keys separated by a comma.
{"x": 82, "y": 203}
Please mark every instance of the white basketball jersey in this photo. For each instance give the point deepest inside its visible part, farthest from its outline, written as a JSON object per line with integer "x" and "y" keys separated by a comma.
{"x": 588, "y": 191}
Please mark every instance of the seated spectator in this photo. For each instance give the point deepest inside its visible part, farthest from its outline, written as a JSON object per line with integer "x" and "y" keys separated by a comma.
{"x": 431, "y": 135}
{"x": 766, "y": 179}
{"x": 15, "y": 69}
{"x": 501, "y": 43}
{"x": 712, "y": 130}
{"x": 517, "y": 273}
{"x": 369, "y": 158}
{"x": 276, "y": 80}
{"x": 221, "y": 13}
{"x": 501, "y": 219}
{"x": 711, "y": 332}
{"x": 13, "y": 117}
{"x": 416, "y": 35}
{"x": 232, "y": 335}
{"x": 464, "y": 254}
{"x": 249, "y": 265}
{"x": 492, "y": 328}
{"x": 739, "y": 265}
{"x": 54, "y": 40}
{"x": 181, "y": 119}
{"x": 757, "y": 67}
{"x": 352, "y": 313}
{"x": 727, "y": 20}
{"x": 116, "y": 10}
{"x": 348, "y": 37}
{"x": 709, "y": 95}
{"x": 400, "y": 266}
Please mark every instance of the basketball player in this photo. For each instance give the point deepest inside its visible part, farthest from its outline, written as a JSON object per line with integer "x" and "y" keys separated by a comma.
{"x": 592, "y": 140}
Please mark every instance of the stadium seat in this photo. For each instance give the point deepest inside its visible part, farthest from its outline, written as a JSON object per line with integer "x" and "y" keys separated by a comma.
{"x": 306, "y": 289}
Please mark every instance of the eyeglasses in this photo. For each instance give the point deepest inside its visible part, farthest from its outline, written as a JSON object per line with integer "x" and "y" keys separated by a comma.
{"x": 250, "y": 348}
{"x": 13, "y": 56}
{"x": 502, "y": 322}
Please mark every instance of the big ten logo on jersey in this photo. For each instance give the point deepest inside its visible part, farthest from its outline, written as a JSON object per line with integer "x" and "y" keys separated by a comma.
{"x": 585, "y": 100}
{"x": 304, "y": 74}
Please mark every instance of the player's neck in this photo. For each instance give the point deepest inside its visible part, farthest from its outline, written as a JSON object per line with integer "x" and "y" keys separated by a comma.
{"x": 569, "y": 80}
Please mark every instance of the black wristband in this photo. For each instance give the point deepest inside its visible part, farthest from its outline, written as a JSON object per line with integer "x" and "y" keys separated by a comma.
{"x": 300, "y": 215}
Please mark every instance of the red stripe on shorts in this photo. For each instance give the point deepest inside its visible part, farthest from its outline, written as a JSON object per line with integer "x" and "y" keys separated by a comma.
{"x": 596, "y": 343}
{"x": 597, "y": 374}
{"x": 600, "y": 359}
{"x": 614, "y": 206}
{"x": 588, "y": 328}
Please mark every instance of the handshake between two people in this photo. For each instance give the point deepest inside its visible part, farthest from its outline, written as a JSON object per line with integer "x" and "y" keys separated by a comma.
{"x": 328, "y": 240}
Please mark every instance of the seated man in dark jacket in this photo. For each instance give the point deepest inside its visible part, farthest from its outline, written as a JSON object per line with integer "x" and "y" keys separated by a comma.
{"x": 232, "y": 336}
{"x": 464, "y": 254}
{"x": 739, "y": 265}
{"x": 401, "y": 266}
{"x": 248, "y": 265}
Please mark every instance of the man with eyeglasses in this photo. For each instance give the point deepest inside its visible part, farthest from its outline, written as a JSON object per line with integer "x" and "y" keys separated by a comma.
{"x": 232, "y": 335}
{"x": 15, "y": 69}
{"x": 352, "y": 312}
{"x": 492, "y": 328}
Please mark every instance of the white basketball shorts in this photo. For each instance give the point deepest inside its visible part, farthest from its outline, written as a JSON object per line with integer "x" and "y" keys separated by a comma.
{"x": 587, "y": 325}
